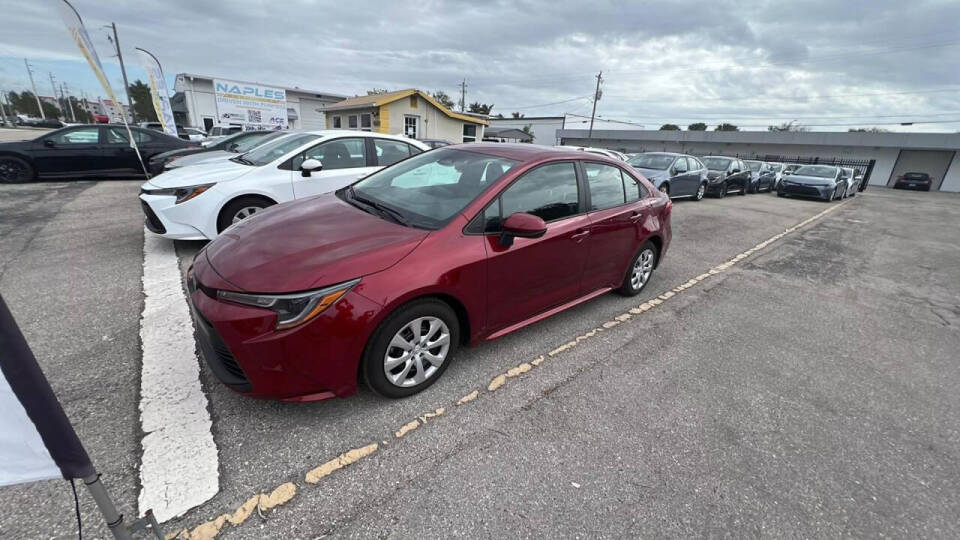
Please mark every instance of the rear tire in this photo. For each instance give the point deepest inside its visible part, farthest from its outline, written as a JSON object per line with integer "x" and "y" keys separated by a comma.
{"x": 723, "y": 191}
{"x": 241, "y": 208}
{"x": 640, "y": 270}
{"x": 401, "y": 346}
{"x": 14, "y": 170}
{"x": 744, "y": 189}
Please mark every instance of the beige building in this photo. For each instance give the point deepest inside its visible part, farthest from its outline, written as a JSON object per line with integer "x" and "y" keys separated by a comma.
{"x": 405, "y": 112}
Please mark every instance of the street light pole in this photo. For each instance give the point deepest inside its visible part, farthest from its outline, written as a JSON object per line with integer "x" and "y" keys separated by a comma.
{"x": 34, "y": 86}
{"x": 596, "y": 98}
{"x": 73, "y": 115}
{"x": 123, "y": 70}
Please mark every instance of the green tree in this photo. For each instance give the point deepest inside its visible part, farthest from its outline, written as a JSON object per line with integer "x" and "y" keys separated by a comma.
{"x": 792, "y": 125}
{"x": 697, "y": 126}
{"x": 528, "y": 129}
{"x": 375, "y": 91}
{"x": 480, "y": 108}
{"x": 517, "y": 115}
{"x": 83, "y": 116}
{"x": 443, "y": 98}
{"x": 726, "y": 127}
{"x": 26, "y": 103}
{"x": 669, "y": 127}
{"x": 142, "y": 102}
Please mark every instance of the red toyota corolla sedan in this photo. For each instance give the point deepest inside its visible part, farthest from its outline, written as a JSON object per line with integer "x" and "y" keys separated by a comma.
{"x": 385, "y": 279}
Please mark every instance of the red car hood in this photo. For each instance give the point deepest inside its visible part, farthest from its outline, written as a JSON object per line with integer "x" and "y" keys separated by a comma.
{"x": 308, "y": 244}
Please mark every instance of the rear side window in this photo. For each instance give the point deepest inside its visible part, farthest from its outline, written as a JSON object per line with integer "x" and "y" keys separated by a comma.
{"x": 549, "y": 192}
{"x": 606, "y": 185}
{"x": 390, "y": 152}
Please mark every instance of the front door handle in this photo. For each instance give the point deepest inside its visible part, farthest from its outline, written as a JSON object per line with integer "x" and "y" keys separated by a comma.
{"x": 579, "y": 236}
{"x": 636, "y": 216}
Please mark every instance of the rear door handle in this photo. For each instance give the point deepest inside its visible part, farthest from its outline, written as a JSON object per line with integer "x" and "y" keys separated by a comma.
{"x": 579, "y": 236}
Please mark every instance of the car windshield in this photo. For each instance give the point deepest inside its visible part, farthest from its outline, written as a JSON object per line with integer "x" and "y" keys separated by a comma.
{"x": 716, "y": 163}
{"x": 250, "y": 141}
{"x": 430, "y": 188}
{"x": 754, "y": 165}
{"x": 274, "y": 150}
{"x": 821, "y": 171}
{"x": 658, "y": 162}
{"x": 915, "y": 175}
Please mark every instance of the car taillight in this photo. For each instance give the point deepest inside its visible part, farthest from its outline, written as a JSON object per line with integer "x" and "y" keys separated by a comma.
{"x": 669, "y": 207}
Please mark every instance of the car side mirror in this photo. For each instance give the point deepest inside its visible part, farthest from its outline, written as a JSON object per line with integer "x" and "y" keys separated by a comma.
{"x": 310, "y": 165}
{"x": 521, "y": 225}
{"x": 49, "y": 143}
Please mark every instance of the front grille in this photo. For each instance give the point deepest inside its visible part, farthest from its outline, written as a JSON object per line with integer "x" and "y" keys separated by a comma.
{"x": 218, "y": 355}
{"x": 806, "y": 191}
{"x": 152, "y": 222}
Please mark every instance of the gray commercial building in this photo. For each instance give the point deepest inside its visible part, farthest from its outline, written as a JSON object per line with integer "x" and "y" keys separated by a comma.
{"x": 884, "y": 156}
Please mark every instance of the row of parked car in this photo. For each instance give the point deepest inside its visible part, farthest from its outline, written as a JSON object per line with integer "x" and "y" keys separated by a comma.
{"x": 686, "y": 176}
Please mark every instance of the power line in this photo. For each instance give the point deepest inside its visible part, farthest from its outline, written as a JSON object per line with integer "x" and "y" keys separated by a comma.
{"x": 790, "y": 98}
{"x": 546, "y": 104}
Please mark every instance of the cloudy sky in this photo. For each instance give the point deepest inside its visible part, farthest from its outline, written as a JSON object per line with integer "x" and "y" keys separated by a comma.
{"x": 826, "y": 64}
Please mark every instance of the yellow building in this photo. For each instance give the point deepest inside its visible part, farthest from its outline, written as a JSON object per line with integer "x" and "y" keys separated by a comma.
{"x": 405, "y": 112}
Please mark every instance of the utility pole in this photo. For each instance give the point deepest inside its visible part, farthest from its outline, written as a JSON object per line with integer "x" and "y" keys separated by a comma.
{"x": 126, "y": 85}
{"x": 55, "y": 98}
{"x": 3, "y": 111}
{"x": 463, "y": 96}
{"x": 34, "y": 86}
{"x": 596, "y": 98}
{"x": 73, "y": 115}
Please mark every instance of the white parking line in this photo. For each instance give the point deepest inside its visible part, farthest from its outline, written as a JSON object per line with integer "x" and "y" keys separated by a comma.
{"x": 179, "y": 468}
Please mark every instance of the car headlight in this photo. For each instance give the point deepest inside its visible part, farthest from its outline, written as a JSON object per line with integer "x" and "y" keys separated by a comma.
{"x": 292, "y": 309}
{"x": 183, "y": 194}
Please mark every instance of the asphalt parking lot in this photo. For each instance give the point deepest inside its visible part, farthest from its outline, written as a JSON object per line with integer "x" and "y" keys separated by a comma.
{"x": 809, "y": 390}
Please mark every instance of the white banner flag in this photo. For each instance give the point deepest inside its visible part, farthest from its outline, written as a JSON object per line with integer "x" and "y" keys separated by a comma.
{"x": 159, "y": 92}
{"x": 251, "y": 105}
{"x": 23, "y": 457}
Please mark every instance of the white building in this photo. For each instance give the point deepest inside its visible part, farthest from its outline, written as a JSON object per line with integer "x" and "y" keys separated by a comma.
{"x": 882, "y": 156}
{"x": 546, "y": 129}
{"x": 194, "y": 103}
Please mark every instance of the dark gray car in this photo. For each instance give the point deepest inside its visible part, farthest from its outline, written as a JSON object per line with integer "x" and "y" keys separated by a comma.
{"x": 820, "y": 181}
{"x": 677, "y": 175}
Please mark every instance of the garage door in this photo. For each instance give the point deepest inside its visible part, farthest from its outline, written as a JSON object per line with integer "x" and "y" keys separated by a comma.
{"x": 931, "y": 162}
{"x": 311, "y": 116}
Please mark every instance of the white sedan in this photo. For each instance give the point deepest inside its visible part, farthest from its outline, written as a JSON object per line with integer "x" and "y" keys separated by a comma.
{"x": 200, "y": 201}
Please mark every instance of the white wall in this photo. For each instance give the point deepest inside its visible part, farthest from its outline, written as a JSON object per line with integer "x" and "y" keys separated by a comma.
{"x": 951, "y": 182}
{"x": 544, "y": 130}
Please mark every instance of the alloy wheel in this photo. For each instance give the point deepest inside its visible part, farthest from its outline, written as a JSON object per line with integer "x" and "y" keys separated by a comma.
{"x": 665, "y": 189}
{"x": 642, "y": 268}
{"x": 416, "y": 351}
{"x": 12, "y": 171}
{"x": 245, "y": 212}
{"x": 701, "y": 191}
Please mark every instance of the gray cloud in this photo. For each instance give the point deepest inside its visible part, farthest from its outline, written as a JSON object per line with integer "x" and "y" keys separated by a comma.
{"x": 749, "y": 62}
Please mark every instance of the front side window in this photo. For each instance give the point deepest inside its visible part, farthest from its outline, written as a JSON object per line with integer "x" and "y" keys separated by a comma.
{"x": 680, "y": 166}
{"x": 336, "y": 154}
{"x": 89, "y": 135}
{"x": 390, "y": 152}
{"x": 549, "y": 192}
{"x": 432, "y": 187}
{"x": 606, "y": 185}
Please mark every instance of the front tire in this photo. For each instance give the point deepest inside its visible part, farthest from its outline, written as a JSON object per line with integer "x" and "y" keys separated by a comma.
{"x": 640, "y": 270}
{"x": 14, "y": 170}
{"x": 701, "y": 191}
{"x": 411, "y": 348}
{"x": 665, "y": 189}
{"x": 240, "y": 209}
{"x": 744, "y": 189}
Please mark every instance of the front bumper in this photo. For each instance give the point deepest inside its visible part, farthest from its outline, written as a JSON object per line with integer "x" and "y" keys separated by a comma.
{"x": 915, "y": 186}
{"x": 318, "y": 360}
{"x": 806, "y": 190}
{"x": 166, "y": 218}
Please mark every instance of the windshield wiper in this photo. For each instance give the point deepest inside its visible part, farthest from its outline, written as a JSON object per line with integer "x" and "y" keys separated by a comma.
{"x": 241, "y": 159}
{"x": 384, "y": 210}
